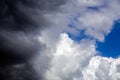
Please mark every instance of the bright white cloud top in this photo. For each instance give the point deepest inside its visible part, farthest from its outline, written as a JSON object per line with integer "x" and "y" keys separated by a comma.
{"x": 69, "y": 60}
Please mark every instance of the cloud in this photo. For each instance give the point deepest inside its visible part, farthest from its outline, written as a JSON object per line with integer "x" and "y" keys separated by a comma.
{"x": 79, "y": 61}
{"x": 17, "y": 47}
{"x": 73, "y": 61}
{"x": 20, "y": 23}
{"x": 25, "y": 15}
{"x": 68, "y": 60}
{"x": 95, "y": 17}
{"x": 101, "y": 68}
{"x": 41, "y": 26}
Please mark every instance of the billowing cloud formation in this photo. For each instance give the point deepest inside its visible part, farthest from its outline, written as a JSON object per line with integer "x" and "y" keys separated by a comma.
{"x": 73, "y": 61}
{"x": 69, "y": 59}
{"x": 101, "y": 68}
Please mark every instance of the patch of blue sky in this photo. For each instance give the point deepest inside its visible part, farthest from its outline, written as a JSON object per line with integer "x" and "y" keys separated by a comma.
{"x": 97, "y": 8}
{"x": 111, "y": 46}
{"x": 94, "y": 8}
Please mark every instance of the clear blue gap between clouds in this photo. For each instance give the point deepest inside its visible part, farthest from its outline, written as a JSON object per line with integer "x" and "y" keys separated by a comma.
{"x": 111, "y": 46}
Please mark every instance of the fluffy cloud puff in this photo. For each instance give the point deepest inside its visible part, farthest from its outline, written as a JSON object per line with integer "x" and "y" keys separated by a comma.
{"x": 71, "y": 61}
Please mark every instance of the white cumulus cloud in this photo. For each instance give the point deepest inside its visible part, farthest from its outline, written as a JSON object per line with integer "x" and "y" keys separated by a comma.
{"x": 73, "y": 61}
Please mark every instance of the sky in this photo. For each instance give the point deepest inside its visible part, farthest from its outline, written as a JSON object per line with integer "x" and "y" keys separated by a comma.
{"x": 111, "y": 46}
{"x": 60, "y": 40}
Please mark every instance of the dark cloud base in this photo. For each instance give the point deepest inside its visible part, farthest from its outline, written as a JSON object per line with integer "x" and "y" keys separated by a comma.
{"x": 19, "y": 72}
{"x": 19, "y": 25}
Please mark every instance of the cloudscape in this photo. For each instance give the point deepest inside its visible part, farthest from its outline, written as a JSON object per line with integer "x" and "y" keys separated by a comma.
{"x": 59, "y": 40}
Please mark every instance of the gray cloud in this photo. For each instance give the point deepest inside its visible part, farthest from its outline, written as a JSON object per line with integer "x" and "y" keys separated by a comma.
{"x": 18, "y": 72}
{"x": 24, "y": 14}
{"x": 21, "y": 21}
{"x": 17, "y": 46}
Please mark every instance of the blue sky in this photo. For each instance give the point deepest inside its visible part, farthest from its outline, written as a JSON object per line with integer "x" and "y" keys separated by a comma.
{"x": 111, "y": 46}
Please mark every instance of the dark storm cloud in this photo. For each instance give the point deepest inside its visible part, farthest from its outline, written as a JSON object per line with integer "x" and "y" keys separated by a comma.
{"x": 19, "y": 20}
{"x": 24, "y": 14}
{"x": 17, "y": 47}
{"x": 20, "y": 23}
{"x": 18, "y": 72}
